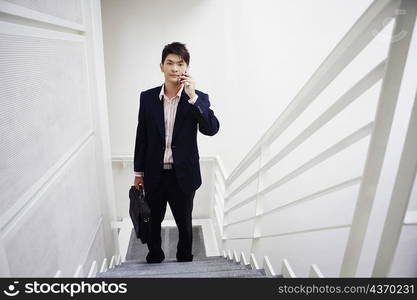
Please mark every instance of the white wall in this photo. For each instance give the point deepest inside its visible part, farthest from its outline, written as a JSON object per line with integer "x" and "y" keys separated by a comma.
{"x": 241, "y": 55}
{"x": 252, "y": 57}
{"x": 56, "y": 195}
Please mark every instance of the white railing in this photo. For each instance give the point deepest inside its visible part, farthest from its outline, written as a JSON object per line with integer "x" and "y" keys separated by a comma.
{"x": 266, "y": 265}
{"x": 219, "y": 187}
{"x": 390, "y": 71}
{"x": 286, "y": 269}
{"x": 93, "y": 270}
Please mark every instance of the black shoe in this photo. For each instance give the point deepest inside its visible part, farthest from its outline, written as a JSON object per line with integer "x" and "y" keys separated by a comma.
{"x": 154, "y": 259}
{"x": 185, "y": 259}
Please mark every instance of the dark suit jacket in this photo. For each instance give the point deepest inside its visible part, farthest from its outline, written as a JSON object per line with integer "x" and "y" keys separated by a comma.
{"x": 150, "y": 138}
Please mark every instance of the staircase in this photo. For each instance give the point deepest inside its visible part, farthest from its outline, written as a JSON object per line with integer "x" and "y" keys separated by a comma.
{"x": 208, "y": 267}
{"x": 201, "y": 267}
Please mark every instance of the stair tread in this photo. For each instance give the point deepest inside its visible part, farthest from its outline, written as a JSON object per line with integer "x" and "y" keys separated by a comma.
{"x": 185, "y": 268}
{"x": 169, "y": 260}
{"x": 225, "y": 273}
{"x": 177, "y": 264}
{"x": 189, "y": 269}
{"x": 169, "y": 239}
{"x": 206, "y": 267}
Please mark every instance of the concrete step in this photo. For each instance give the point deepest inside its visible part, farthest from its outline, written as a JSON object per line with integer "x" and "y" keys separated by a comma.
{"x": 174, "y": 260}
{"x": 201, "y": 267}
{"x": 153, "y": 269}
{"x": 178, "y": 267}
{"x": 169, "y": 238}
{"x": 213, "y": 274}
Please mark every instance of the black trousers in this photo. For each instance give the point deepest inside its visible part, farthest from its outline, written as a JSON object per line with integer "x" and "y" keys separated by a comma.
{"x": 181, "y": 205}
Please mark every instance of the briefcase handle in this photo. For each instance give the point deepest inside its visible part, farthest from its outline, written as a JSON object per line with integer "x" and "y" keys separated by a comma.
{"x": 140, "y": 187}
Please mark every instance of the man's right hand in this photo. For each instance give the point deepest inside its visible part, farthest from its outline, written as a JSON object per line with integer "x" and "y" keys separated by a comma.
{"x": 139, "y": 181}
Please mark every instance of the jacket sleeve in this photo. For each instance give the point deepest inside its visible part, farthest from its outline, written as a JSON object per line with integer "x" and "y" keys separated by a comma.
{"x": 207, "y": 121}
{"x": 141, "y": 139}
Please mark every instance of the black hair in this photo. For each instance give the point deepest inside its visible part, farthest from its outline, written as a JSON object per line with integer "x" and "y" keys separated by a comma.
{"x": 178, "y": 49}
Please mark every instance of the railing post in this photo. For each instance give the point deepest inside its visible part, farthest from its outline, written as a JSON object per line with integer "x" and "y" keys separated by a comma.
{"x": 391, "y": 83}
{"x": 218, "y": 195}
{"x": 259, "y": 201}
{"x": 400, "y": 198}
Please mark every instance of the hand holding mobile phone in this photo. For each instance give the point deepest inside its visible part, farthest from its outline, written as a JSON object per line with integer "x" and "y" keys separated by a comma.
{"x": 183, "y": 78}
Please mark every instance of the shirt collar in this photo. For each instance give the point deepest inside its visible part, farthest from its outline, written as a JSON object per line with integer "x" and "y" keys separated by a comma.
{"x": 162, "y": 92}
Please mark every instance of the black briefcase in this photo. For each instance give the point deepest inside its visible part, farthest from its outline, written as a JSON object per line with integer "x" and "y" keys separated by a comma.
{"x": 140, "y": 213}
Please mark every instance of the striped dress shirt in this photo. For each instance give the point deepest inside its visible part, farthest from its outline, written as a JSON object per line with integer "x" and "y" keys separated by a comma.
{"x": 170, "y": 110}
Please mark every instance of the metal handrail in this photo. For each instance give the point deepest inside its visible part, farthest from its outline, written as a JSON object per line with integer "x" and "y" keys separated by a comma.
{"x": 390, "y": 70}
{"x": 358, "y": 37}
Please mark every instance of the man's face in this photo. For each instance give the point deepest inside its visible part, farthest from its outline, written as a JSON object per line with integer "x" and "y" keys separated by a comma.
{"x": 173, "y": 67}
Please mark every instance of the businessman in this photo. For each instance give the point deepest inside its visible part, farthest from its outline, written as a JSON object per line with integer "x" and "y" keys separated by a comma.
{"x": 166, "y": 159}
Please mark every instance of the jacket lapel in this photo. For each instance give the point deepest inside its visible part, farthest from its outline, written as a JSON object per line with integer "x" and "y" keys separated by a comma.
{"x": 159, "y": 113}
{"x": 182, "y": 109}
